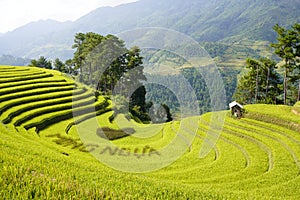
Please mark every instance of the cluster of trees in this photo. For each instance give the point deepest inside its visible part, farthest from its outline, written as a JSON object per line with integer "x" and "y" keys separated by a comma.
{"x": 261, "y": 84}
{"x": 107, "y": 65}
{"x": 104, "y": 63}
{"x": 270, "y": 82}
{"x": 65, "y": 67}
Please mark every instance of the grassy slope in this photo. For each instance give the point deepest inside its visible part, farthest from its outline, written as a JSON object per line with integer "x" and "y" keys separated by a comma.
{"x": 255, "y": 157}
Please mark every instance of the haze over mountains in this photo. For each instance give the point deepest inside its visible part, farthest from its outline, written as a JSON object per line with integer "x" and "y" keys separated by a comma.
{"x": 212, "y": 21}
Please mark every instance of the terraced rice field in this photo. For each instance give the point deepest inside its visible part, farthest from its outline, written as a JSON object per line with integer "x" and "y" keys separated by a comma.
{"x": 35, "y": 98}
{"x": 256, "y": 157}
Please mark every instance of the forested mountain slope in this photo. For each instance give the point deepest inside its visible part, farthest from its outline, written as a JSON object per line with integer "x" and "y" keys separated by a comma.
{"x": 216, "y": 20}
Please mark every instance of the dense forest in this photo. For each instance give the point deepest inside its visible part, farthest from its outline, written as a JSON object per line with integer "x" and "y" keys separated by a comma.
{"x": 158, "y": 93}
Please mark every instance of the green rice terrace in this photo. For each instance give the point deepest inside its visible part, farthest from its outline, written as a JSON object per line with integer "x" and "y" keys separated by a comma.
{"x": 43, "y": 157}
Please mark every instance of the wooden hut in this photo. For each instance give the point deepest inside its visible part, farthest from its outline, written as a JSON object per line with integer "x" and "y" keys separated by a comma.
{"x": 236, "y": 109}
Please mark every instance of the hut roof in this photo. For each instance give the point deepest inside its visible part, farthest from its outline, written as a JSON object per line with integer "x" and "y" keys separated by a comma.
{"x": 234, "y": 103}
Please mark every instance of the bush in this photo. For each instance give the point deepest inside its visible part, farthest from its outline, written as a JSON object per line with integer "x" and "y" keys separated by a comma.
{"x": 112, "y": 134}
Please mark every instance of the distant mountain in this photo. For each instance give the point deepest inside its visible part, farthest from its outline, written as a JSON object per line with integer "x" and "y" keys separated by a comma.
{"x": 13, "y": 61}
{"x": 204, "y": 20}
{"x": 213, "y": 20}
{"x": 36, "y": 38}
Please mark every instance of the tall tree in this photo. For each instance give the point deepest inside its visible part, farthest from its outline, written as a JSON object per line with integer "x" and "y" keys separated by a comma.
{"x": 70, "y": 67}
{"x": 285, "y": 49}
{"x": 296, "y": 48}
{"x": 60, "y": 66}
{"x": 272, "y": 79}
{"x": 78, "y": 55}
{"x": 247, "y": 90}
{"x": 109, "y": 63}
{"x": 84, "y": 45}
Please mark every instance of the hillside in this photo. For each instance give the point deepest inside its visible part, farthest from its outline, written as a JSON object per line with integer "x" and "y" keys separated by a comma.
{"x": 43, "y": 157}
{"x": 10, "y": 60}
{"x": 210, "y": 21}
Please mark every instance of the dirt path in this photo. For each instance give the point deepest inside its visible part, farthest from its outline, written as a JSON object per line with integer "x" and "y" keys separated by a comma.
{"x": 295, "y": 112}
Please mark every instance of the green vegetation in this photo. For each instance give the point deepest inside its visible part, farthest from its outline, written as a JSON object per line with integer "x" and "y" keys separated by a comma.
{"x": 288, "y": 49}
{"x": 160, "y": 94}
{"x": 263, "y": 83}
{"x": 255, "y": 157}
{"x": 42, "y": 62}
{"x": 106, "y": 65}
